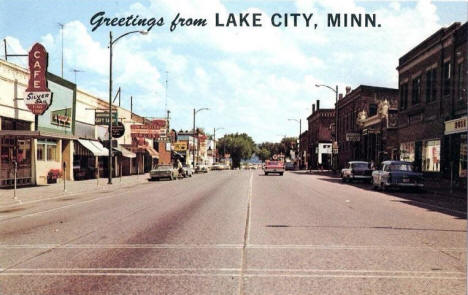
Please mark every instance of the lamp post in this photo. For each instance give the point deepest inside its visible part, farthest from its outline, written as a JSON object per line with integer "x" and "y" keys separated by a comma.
{"x": 111, "y": 43}
{"x": 195, "y": 111}
{"x": 214, "y": 140}
{"x": 298, "y": 139}
{"x": 336, "y": 119}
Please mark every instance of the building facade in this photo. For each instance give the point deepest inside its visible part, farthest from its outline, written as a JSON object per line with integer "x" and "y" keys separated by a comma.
{"x": 432, "y": 116}
{"x": 362, "y": 131}
{"x": 320, "y": 123}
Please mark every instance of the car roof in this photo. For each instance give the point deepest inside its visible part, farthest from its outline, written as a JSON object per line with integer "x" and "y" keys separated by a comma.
{"x": 396, "y": 162}
{"x": 358, "y": 162}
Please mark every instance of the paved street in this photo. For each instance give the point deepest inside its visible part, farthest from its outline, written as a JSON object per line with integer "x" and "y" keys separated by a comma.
{"x": 235, "y": 232}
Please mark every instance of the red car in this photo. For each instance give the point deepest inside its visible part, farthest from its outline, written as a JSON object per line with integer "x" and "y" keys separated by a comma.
{"x": 274, "y": 167}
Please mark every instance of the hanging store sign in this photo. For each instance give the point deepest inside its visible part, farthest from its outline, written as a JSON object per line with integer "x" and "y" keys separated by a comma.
{"x": 456, "y": 126}
{"x": 38, "y": 97}
{"x": 102, "y": 118}
{"x": 353, "y": 136}
{"x": 180, "y": 146}
{"x": 154, "y": 129}
{"x": 118, "y": 130}
{"x": 61, "y": 118}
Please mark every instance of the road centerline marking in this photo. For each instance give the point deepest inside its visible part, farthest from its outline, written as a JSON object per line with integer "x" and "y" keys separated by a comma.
{"x": 246, "y": 236}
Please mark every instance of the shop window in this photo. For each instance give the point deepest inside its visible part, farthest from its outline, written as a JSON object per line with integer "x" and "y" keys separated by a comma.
{"x": 52, "y": 152}
{"x": 463, "y": 156}
{"x": 447, "y": 76}
{"x": 407, "y": 151}
{"x": 431, "y": 156}
{"x": 47, "y": 150}
{"x": 416, "y": 91}
{"x": 40, "y": 152}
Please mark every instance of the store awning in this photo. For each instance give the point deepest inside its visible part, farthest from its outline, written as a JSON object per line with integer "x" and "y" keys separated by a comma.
{"x": 125, "y": 153}
{"x": 152, "y": 152}
{"x": 94, "y": 147}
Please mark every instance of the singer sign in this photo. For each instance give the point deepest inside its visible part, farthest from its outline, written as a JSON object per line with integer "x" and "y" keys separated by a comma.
{"x": 37, "y": 96}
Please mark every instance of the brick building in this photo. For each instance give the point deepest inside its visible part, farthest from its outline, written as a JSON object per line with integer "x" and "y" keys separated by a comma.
{"x": 367, "y": 124}
{"x": 433, "y": 100}
{"x": 320, "y": 136}
{"x": 304, "y": 147}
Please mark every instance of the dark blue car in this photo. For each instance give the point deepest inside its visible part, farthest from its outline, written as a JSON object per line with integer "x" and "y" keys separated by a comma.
{"x": 397, "y": 174}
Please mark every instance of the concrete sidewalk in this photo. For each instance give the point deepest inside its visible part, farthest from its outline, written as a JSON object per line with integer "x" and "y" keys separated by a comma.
{"x": 34, "y": 194}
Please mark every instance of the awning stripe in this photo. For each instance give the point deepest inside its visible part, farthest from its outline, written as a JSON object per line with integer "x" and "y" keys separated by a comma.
{"x": 94, "y": 147}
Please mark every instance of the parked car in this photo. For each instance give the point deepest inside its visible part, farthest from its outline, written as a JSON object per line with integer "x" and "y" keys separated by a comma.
{"x": 201, "y": 169}
{"x": 164, "y": 171}
{"x": 187, "y": 170}
{"x": 356, "y": 170}
{"x": 289, "y": 166}
{"x": 274, "y": 167}
{"x": 216, "y": 166}
{"x": 397, "y": 174}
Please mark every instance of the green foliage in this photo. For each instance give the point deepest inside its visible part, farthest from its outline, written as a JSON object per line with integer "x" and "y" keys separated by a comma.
{"x": 239, "y": 146}
{"x": 263, "y": 154}
{"x": 284, "y": 147}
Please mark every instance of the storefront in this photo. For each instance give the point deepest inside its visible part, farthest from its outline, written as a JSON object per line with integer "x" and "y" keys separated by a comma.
{"x": 456, "y": 138}
{"x": 88, "y": 159}
{"x": 15, "y": 149}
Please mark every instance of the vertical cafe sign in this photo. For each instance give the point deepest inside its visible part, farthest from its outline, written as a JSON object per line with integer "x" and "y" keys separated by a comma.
{"x": 38, "y": 96}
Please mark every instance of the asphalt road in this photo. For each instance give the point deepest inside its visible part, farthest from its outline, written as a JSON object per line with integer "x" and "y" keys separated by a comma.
{"x": 235, "y": 232}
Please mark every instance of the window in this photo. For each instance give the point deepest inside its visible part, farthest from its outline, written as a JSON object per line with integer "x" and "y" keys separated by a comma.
{"x": 407, "y": 151}
{"x": 52, "y": 152}
{"x": 461, "y": 88}
{"x": 404, "y": 96}
{"x": 372, "y": 109}
{"x": 463, "y": 149}
{"x": 431, "y": 90}
{"x": 447, "y": 77}
{"x": 416, "y": 91}
{"x": 40, "y": 152}
{"x": 431, "y": 156}
{"x": 47, "y": 150}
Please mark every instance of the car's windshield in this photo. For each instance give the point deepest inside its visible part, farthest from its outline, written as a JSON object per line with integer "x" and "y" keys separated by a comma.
{"x": 360, "y": 165}
{"x": 401, "y": 167}
{"x": 164, "y": 167}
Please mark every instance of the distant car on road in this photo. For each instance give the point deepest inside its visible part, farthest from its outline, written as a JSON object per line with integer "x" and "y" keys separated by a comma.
{"x": 356, "y": 170}
{"x": 164, "y": 171}
{"x": 289, "y": 166}
{"x": 201, "y": 169}
{"x": 274, "y": 167}
{"x": 187, "y": 170}
{"x": 397, "y": 174}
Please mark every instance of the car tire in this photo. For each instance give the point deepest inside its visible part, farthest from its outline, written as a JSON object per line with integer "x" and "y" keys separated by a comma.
{"x": 266, "y": 173}
{"x": 382, "y": 187}
{"x": 281, "y": 174}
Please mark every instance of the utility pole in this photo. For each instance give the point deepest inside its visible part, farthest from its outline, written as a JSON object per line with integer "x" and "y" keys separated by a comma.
{"x": 61, "y": 32}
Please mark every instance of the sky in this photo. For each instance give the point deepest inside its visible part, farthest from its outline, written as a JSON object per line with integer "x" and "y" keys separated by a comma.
{"x": 253, "y": 79}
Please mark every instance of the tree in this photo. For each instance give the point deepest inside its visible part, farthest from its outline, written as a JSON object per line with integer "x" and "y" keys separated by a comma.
{"x": 284, "y": 147}
{"x": 263, "y": 154}
{"x": 239, "y": 146}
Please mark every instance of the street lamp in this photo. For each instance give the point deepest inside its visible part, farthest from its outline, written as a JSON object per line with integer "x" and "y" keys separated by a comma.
{"x": 336, "y": 118}
{"x": 112, "y": 42}
{"x": 214, "y": 140}
{"x": 193, "y": 138}
{"x": 298, "y": 139}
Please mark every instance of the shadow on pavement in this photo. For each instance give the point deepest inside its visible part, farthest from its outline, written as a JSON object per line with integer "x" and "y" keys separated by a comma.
{"x": 365, "y": 227}
{"x": 434, "y": 202}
